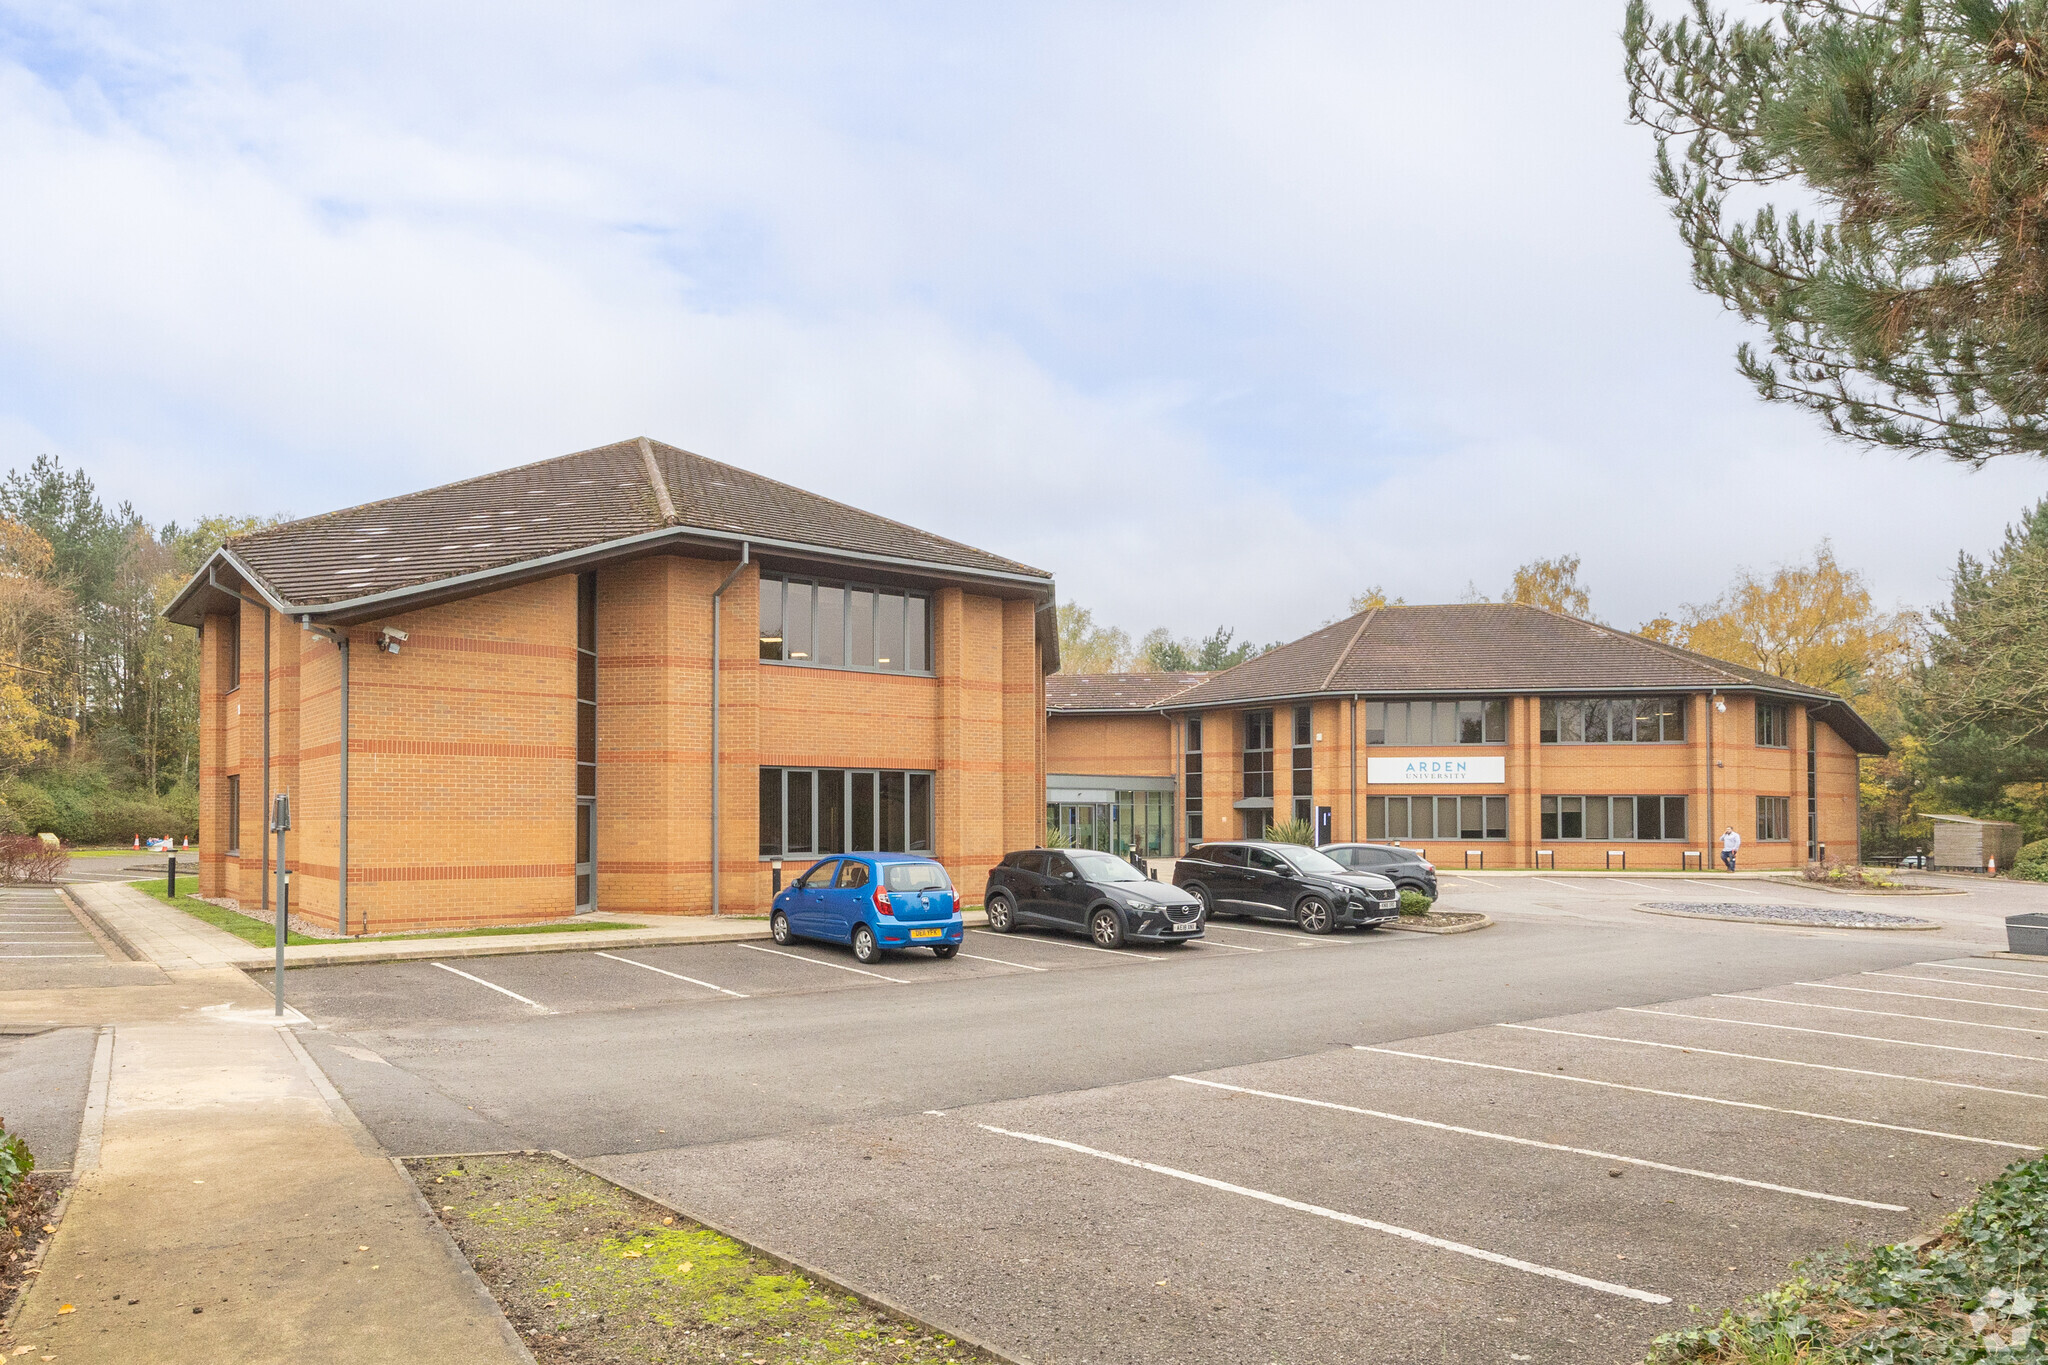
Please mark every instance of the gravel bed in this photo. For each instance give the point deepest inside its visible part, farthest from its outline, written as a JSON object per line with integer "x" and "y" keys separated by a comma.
{"x": 1825, "y": 916}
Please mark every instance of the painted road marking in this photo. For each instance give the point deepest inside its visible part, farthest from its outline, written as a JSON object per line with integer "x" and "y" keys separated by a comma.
{"x": 1000, "y": 963}
{"x": 1272, "y": 933}
{"x": 1704, "y": 1099}
{"x": 1830, "y": 1033}
{"x": 1551, "y": 1146}
{"x": 1722, "y": 887}
{"x": 1219, "y": 943}
{"x": 494, "y": 986}
{"x": 1123, "y": 953}
{"x": 836, "y": 966}
{"x": 1889, "y": 1014}
{"x": 1945, "y": 981}
{"x": 14, "y": 957}
{"x": 1920, "y": 995}
{"x": 677, "y": 975}
{"x": 1781, "y": 1061}
{"x": 1372, "y": 1225}
{"x": 1995, "y": 971}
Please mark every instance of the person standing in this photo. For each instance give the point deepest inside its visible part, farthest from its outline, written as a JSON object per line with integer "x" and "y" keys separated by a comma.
{"x": 1730, "y": 842}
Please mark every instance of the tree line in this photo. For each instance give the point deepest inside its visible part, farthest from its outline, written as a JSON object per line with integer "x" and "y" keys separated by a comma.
{"x": 99, "y": 695}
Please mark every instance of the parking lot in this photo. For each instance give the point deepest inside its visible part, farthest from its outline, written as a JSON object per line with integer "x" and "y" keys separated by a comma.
{"x": 1543, "y": 1141}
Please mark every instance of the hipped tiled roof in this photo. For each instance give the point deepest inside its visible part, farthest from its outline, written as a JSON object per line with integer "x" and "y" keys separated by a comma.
{"x": 497, "y": 522}
{"x": 1492, "y": 647}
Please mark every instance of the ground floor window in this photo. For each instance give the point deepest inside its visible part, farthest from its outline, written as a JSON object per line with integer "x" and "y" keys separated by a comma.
{"x": 234, "y": 839}
{"x": 1134, "y": 822}
{"x": 1613, "y": 817}
{"x": 844, "y": 810}
{"x": 1436, "y": 817}
{"x": 1774, "y": 817}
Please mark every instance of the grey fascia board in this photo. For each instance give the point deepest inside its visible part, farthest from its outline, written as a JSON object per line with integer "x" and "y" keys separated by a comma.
{"x": 1377, "y": 693}
{"x": 199, "y": 580}
{"x": 604, "y": 550}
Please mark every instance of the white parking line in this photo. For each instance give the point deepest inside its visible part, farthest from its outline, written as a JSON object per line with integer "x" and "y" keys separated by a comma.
{"x": 677, "y": 975}
{"x": 22, "y": 957}
{"x": 836, "y": 966}
{"x": 1703, "y": 1099}
{"x": 1408, "y": 1234}
{"x": 1570, "y": 886}
{"x": 1723, "y": 887}
{"x": 1781, "y": 1061}
{"x": 1270, "y": 933}
{"x": 1995, "y": 971}
{"x": 1219, "y": 943}
{"x": 499, "y": 989}
{"x": 1889, "y": 1014}
{"x": 1946, "y": 981}
{"x": 1550, "y": 1146}
{"x": 1647, "y": 886}
{"x": 1000, "y": 963}
{"x": 1123, "y": 953}
{"x": 1830, "y": 1033}
{"x": 1921, "y": 995}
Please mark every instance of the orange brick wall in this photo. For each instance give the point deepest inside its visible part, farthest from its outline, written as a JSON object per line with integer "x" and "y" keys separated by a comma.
{"x": 462, "y": 748}
{"x": 1117, "y": 745}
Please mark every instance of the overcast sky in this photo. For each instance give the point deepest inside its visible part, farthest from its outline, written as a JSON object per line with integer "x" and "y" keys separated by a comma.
{"x": 1219, "y": 313}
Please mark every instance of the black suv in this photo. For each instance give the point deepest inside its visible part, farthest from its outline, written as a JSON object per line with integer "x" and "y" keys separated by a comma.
{"x": 1404, "y": 867}
{"x": 1267, "y": 880}
{"x": 1086, "y": 892}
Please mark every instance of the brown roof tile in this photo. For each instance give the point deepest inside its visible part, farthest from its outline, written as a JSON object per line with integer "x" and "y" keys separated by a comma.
{"x": 1114, "y": 691}
{"x": 497, "y": 522}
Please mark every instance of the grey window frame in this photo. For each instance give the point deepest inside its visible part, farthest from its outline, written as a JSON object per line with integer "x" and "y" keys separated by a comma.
{"x": 1490, "y": 714}
{"x": 1565, "y": 720}
{"x": 1773, "y": 725}
{"x": 1487, "y": 807}
{"x": 915, "y": 784}
{"x": 1597, "y": 823}
{"x": 1774, "y": 819}
{"x": 1304, "y": 774}
{"x": 1191, "y": 771}
{"x": 234, "y": 839}
{"x": 917, "y": 626}
{"x": 1257, "y": 767}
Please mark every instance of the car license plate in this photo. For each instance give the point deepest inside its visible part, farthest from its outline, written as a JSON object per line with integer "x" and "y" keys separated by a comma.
{"x": 927, "y": 933}
{"x": 1187, "y": 928}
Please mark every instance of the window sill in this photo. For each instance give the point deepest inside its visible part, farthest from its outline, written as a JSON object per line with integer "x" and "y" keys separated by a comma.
{"x": 848, "y": 668}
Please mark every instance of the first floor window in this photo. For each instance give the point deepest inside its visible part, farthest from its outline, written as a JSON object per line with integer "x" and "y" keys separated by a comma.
{"x": 845, "y": 810}
{"x": 1193, "y": 754}
{"x": 1633, "y": 818}
{"x": 1773, "y": 727}
{"x": 1436, "y": 817}
{"x": 1611, "y": 720}
{"x": 1773, "y": 817}
{"x": 1417, "y": 723}
{"x": 234, "y": 815}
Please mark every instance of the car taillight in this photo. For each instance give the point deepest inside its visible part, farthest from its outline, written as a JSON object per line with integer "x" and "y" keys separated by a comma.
{"x": 882, "y": 905}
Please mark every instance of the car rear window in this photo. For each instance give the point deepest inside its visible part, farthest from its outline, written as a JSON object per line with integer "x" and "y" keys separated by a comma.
{"x": 916, "y": 877}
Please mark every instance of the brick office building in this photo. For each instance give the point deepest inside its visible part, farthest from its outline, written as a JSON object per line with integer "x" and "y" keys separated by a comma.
{"x": 493, "y": 701}
{"x": 1512, "y": 734}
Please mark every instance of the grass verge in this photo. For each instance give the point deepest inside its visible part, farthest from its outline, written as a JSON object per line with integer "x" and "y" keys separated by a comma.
{"x": 592, "y": 1275}
{"x": 263, "y": 935}
{"x": 1977, "y": 1292}
{"x": 234, "y": 921}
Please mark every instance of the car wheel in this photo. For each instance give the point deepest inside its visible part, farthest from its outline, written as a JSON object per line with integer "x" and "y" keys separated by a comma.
{"x": 778, "y": 927}
{"x": 942, "y": 951}
{"x": 1002, "y": 915}
{"x": 1313, "y": 915}
{"x": 1106, "y": 929}
{"x": 1201, "y": 893}
{"x": 865, "y": 948}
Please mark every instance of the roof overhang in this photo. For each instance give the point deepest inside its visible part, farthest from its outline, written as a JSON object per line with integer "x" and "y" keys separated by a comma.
{"x": 199, "y": 596}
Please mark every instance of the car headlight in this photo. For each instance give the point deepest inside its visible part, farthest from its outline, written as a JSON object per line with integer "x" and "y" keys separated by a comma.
{"x": 1137, "y": 905}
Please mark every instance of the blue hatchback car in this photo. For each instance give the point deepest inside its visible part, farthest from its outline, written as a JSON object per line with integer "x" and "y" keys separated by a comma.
{"x": 874, "y": 901}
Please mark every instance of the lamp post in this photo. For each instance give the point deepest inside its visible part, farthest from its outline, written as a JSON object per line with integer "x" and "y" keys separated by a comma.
{"x": 280, "y": 821}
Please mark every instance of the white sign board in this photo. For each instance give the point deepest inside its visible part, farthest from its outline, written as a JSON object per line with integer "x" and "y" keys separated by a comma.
{"x": 1432, "y": 768}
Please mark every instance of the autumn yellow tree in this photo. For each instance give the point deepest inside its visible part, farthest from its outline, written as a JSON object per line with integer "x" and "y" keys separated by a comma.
{"x": 1088, "y": 648}
{"x": 1373, "y": 598}
{"x": 1812, "y": 623}
{"x": 35, "y": 617}
{"x": 1552, "y": 584}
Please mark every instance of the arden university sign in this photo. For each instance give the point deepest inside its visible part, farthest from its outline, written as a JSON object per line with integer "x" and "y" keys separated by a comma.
{"x": 1394, "y": 771}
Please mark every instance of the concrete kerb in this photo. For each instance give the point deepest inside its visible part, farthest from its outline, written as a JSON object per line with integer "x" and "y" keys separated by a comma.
{"x": 873, "y": 1300}
{"x": 1481, "y": 923}
{"x": 84, "y": 1160}
{"x": 99, "y": 927}
{"x": 486, "y": 1300}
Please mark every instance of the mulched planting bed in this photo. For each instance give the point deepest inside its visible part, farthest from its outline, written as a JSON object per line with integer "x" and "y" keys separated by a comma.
{"x": 592, "y": 1275}
{"x": 1434, "y": 923}
{"x": 1820, "y": 916}
{"x": 28, "y": 1209}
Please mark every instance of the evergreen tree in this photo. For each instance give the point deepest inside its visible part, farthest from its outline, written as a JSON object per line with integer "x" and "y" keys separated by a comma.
{"x": 1887, "y": 154}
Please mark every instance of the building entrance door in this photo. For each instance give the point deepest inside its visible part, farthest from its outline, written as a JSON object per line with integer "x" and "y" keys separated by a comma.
{"x": 1086, "y": 824}
{"x": 586, "y": 855}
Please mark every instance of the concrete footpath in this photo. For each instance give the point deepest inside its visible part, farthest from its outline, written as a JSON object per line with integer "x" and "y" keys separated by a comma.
{"x": 227, "y": 1206}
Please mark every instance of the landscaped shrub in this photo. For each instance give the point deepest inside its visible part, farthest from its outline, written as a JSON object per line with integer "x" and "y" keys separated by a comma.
{"x": 82, "y": 805}
{"x": 15, "y": 1161}
{"x": 1292, "y": 832}
{"x": 2032, "y": 864}
{"x": 26, "y": 858}
{"x": 1415, "y": 903}
{"x": 1835, "y": 873}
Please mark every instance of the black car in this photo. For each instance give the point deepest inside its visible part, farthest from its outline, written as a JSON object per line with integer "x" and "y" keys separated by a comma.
{"x": 1086, "y": 892}
{"x": 1404, "y": 867}
{"x": 1285, "y": 881}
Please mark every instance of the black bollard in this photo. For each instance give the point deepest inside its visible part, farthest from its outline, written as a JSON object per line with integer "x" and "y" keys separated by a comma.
{"x": 171, "y": 876}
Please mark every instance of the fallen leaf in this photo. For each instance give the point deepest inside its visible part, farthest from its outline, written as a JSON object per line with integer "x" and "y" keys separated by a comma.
{"x": 1159, "y": 1282}
{"x": 66, "y": 1308}
{"x": 362, "y": 1248}
{"x": 629, "y": 1255}
{"x": 46, "y": 1228}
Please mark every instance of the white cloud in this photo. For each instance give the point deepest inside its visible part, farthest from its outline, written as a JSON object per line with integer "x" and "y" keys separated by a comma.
{"x": 1219, "y": 314}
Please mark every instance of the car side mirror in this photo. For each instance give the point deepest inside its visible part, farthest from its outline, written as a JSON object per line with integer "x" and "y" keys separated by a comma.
{"x": 1071, "y": 875}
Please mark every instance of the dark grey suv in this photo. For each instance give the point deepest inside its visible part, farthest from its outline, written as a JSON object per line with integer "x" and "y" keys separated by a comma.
{"x": 1290, "y": 882}
{"x": 1404, "y": 867}
{"x": 1086, "y": 892}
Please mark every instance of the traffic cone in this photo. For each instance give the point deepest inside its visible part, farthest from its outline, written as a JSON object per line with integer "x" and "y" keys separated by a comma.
{"x": 138, "y": 841}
